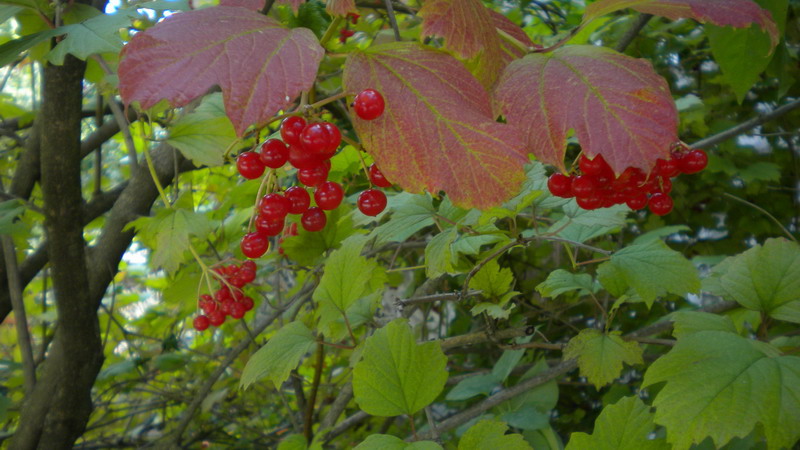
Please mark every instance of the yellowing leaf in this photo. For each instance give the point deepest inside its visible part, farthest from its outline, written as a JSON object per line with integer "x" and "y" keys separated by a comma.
{"x": 721, "y": 385}
{"x": 260, "y": 65}
{"x": 731, "y": 13}
{"x": 600, "y": 356}
{"x": 438, "y": 131}
{"x": 617, "y": 105}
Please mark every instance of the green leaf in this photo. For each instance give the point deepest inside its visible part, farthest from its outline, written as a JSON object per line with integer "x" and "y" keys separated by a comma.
{"x": 560, "y": 281}
{"x": 11, "y": 50}
{"x": 652, "y": 269}
{"x": 508, "y": 360}
{"x": 688, "y": 322}
{"x": 204, "y": 134}
{"x": 600, "y": 356}
{"x": 721, "y": 385}
{"x": 167, "y": 235}
{"x": 581, "y": 225}
{"x": 439, "y": 254}
{"x": 492, "y": 280}
{"x": 410, "y": 213}
{"x": 472, "y": 386}
{"x": 9, "y": 211}
{"x": 395, "y": 375}
{"x": 308, "y": 247}
{"x": 491, "y": 434}
{"x": 765, "y": 278}
{"x": 388, "y": 442}
{"x": 624, "y": 425}
{"x": 279, "y": 356}
{"x": 493, "y": 310}
{"x": 660, "y": 233}
{"x": 293, "y": 442}
{"x": 99, "y": 34}
{"x": 347, "y": 275}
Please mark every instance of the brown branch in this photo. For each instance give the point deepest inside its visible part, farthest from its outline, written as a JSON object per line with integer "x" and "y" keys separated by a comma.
{"x": 15, "y": 292}
{"x": 632, "y": 32}
{"x": 747, "y": 125}
{"x": 312, "y": 397}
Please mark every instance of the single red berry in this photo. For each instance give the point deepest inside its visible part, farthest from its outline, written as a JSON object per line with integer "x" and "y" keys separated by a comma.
{"x": 590, "y": 202}
{"x": 660, "y": 204}
{"x": 225, "y": 307}
{"x": 667, "y": 168}
{"x": 314, "y": 176}
{"x": 248, "y": 303}
{"x": 223, "y": 294}
{"x": 247, "y": 274}
{"x": 560, "y": 185}
{"x": 597, "y": 167}
{"x": 694, "y": 161}
{"x": 637, "y": 202}
{"x": 268, "y": 227}
{"x": 300, "y": 158}
{"x": 216, "y": 318}
{"x": 238, "y": 310}
{"x": 299, "y": 200}
{"x": 372, "y": 202}
{"x": 583, "y": 186}
{"x": 201, "y": 323}
{"x": 254, "y": 244}
{"x": 329, "y": 195}
{"x": 369, "y": 104}
{"x": 664, "y": 185}
{"x": 274, "y": 207}
{"x": 250, "y": 165}
{"x": 291, "y": 128}
{"x": 377, "y": 178}
{"x": 334, "y": 138}
{"x": 315, "y": 138}
{"x": 314, "y": 219}
{"x": 237, "y": 281}
{"x": 208, "y": 306}
{"x": 274, "y": 153}
{"x": 250, "y": 264}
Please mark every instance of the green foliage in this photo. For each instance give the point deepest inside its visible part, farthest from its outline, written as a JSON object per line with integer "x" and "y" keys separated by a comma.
{"x": 279, "y": 356}
{"x": 491, "y": 434}
{"x": 168, "y": 235}
{"x": 385, "y": 441}
{"x": 721, "y": 385}
{"x": 600, "y": 355}
{"x": 625, "y": 425}
{"x": 348, "y": 275}
{"x": 396, "y": 375}
{"x": 205, "y": 133}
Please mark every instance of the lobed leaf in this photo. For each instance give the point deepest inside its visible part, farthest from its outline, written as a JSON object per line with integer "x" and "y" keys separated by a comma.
{"x": 491, "y": 434}
{"x": 281, "y": 354}
{"x": 260, "y": 65}
{"x": 347, "y": 275}
{"x": 625, "y": 425}
{"x": 438, "y": 131}
{"x": 389, "y": 442}
{"x": 600, "y": 356}
{"x": 617, "y": 105}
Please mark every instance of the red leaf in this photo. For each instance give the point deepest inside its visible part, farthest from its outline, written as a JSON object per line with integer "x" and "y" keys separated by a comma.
{"x": 437, "y": 132}
{"x": 731, "y": 13}
{"x": 511, "y": 50}
{"x": 617, "y": 105}
{"x": 341, "y": 7}
{"x": 260, "y": 65}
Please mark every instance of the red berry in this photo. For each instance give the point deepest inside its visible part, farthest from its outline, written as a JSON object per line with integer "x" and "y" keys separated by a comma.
{"x": 274, "y": 153}
{"x": 238, "y": 310}
{"x": 201, "y": 323}
{"x": 369, "y": 104}
{"x": 291, "y": 230}
{"x": 299, "y": 200}
{"x": 664, "y": 185}
{"x": 335, "y": 137}
{"x": 372, "y": 202}
{"x": 353, "y": 17}
{"x": 637, "y": 202}
{"x": 583, "y": 186}
{"x": 291, "y": 128}
{"x": 329, "y": 195}
{"x": 247, "y": 302}
{"x": 377, "y": 178}
{"x": 247, "y": 274}
{"x": 667, "y": 168}
{"x": 250, "y": 165}
{"x": 345, "y": 33}
{"x": 254, "y": 245}
{"x": 250, "y": 264}
{"x": 208, "y": 306}
{"x": 315, "y": 138}
{"x": 693, "y": 162}
{"x": 268, "y": 227}
{"x": 597, "y": 167}
{"x": 274, "y": 207}
{"x": 560, "y": 185}
{"x": 314, "y": 219}
{"x": 216, "y": 318}
{"x": 590, "y": 202}
{"x": 300, "y": 158}
{"x": 660, "y": 204}
{"x": 314, "y": 176}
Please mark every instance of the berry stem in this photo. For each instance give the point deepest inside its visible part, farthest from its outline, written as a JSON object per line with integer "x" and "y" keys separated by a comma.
{"x": 312, "y": 397}
{"x": 330, "y": 31}
{"x": 325, "y": 101}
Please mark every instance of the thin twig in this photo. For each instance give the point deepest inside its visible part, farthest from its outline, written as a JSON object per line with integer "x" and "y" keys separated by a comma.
{"x": 18, "y": 306}
{"x": 747, "y": 125}
{"x": 762, "y": 211}
{"x": 312, "y": 397}
{"x": 446, "y": 297}
{"x": 392, "y": 19}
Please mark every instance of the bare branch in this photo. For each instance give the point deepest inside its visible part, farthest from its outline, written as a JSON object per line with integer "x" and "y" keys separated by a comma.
{"x": 632, "y": 32}
{"x": 747, "y": 125}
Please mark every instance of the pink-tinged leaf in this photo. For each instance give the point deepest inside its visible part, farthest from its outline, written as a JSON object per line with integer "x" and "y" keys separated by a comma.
{"x": 469, "y": 32}
{"x": 726, "y": 13}
{"x": 617, "y": 105}
{"x": 252, "y": 5}
{"x": 341, "y": 7}
{"x": 295, "y": 4}
{"x": 512, "y": 48}
{"x": 437, "y": 131}
{"x": 260, "y": 65}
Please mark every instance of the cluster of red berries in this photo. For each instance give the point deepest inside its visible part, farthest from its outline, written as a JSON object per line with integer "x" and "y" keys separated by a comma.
{"x": 228, "y": 300}
{"x": 308, "y": 147}
{"x": 597, "y": 187}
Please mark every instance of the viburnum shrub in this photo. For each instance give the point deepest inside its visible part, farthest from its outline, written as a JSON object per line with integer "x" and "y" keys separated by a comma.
{"x": 409, "y": 144}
